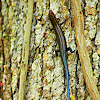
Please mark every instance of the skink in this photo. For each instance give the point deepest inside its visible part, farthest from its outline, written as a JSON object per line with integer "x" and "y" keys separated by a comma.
{"x": 62, "y": 45}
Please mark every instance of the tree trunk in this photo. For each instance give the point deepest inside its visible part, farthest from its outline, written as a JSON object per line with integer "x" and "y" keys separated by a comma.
{"x": 30, "y": 68}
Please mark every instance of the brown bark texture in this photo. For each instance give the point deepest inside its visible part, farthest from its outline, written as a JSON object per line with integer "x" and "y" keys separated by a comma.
{"x": 30, "y": 68}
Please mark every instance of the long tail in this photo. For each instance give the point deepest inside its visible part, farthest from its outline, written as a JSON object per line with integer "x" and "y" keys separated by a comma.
{"x": 67, "y": 75}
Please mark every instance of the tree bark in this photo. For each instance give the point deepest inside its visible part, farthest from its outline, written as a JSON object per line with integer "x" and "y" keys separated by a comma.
{"x": 28, "y": 42}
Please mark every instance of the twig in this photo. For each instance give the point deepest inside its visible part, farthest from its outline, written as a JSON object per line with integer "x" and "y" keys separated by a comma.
{"x": 82, "y": 50}
{"x": 25, "y": 52}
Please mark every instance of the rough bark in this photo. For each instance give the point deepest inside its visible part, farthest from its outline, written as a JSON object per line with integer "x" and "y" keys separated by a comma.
{"x": 44, "y": 71}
